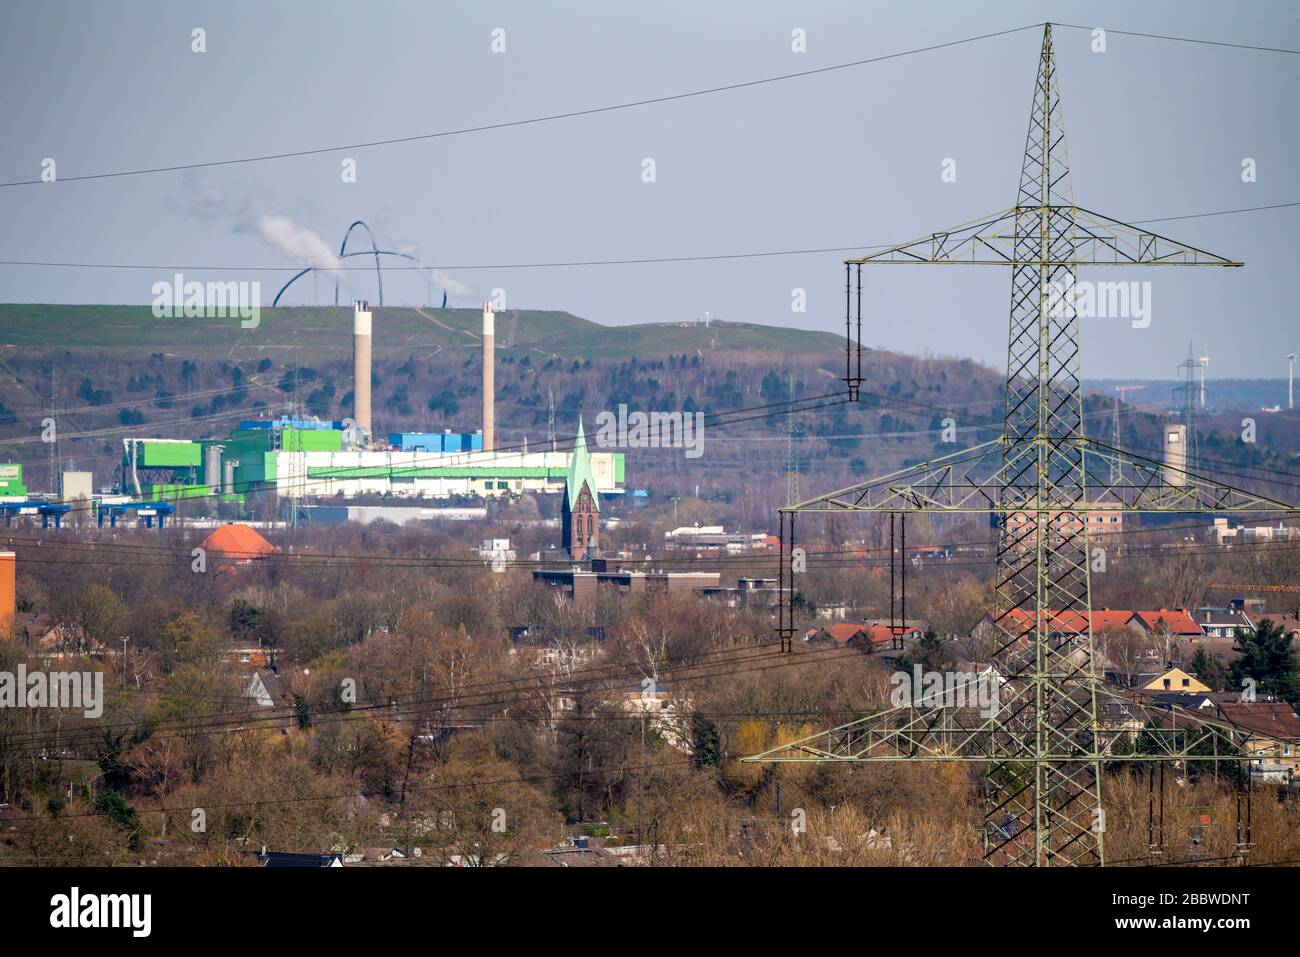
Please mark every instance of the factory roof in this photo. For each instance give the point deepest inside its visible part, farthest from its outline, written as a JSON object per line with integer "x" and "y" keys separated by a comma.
{"x": 580, "y": 471}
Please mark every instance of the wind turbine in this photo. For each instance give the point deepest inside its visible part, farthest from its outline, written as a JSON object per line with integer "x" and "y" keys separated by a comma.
{"x": 1205, "y": 361}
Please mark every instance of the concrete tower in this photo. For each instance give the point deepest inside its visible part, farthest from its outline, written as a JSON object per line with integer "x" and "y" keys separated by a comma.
{"x": 489, "y": 384}
{"x": 361, "y": 366}
{"x": 1175, "y": 453}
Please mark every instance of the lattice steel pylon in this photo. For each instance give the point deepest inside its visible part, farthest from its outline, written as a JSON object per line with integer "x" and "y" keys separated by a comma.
{"x": 1057, "y": 722}
{"x": 1186, "y": 395}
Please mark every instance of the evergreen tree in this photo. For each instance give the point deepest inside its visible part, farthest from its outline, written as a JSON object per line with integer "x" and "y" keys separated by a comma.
{"x": 704, "y": 741}
{"x": 1268, "y": 659}
{"x": 930, "y": 653}
{"x": 1206, "y": 667}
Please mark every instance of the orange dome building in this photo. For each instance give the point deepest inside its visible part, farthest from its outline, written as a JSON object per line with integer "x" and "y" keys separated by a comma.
{"x": 238, "y": 543}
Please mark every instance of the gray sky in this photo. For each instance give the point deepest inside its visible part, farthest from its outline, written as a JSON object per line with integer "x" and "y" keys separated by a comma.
{"x": 849, "y": 157}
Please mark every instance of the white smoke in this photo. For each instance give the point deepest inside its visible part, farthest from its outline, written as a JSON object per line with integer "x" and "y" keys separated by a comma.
{"x": 441, "y": 280}
{"x": 244, "y": 209}
{"x": 299, "y": 243}
{"x": 436, "y": 277}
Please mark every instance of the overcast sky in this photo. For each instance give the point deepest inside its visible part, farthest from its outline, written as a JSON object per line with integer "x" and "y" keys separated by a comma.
{"x": 843, "y": 158}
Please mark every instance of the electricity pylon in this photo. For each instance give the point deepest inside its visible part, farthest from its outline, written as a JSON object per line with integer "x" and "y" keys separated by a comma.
{"x": 1187, "y": 394}
{"x": 1123, "y": 390}
{"x": 1056, "y": 722}
{"x": 791, "y": 460}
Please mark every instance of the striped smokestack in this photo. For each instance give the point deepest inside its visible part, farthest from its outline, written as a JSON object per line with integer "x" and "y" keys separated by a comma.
{"x": 361, "y": 366}
{"x": 489, "y": 385}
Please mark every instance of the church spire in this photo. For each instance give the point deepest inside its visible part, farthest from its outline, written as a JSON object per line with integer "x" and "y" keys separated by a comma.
{"x": 580, "y": 471}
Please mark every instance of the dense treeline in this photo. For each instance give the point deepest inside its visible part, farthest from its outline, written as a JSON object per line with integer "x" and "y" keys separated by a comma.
{"x": 409, "y": 718}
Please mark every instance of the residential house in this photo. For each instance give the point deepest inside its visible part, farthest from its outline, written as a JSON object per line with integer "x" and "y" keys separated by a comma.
{"x": 1188, "y": 700}
{"x": 1223, "y": 622}
{"x": 748, "y": 593}
{"x": 1172, "y": 680}
{"x": 864, "y": 636}
{"x": 41, "y": 632}
{"x": 266, "y": 689}
{"x": 1222, "y": 650}
{"x": 1165, "y": 622}
{"x": 1169, "y": 622}
{"x": 249, "y": 658}
{"x": 1271, "y": 733}
{"x": 661, "y": 710}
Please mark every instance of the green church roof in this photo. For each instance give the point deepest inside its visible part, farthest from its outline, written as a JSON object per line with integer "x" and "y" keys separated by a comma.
{"x": 580, "y": 471}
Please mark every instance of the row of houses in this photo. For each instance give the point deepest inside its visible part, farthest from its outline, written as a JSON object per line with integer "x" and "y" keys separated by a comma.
{"x": 869, "y": 637}
{"x": 1165, "y": 622}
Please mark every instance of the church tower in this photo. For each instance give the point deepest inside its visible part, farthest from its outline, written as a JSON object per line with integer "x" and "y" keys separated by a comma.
{"x": 580, "y": 513}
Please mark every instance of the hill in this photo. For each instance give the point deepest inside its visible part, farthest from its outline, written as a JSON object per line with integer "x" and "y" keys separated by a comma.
{"x": 317, "y": 335}
{"x": 120, "y": 371}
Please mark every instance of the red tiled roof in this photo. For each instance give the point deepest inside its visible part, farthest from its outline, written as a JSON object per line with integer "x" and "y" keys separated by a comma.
{"x": 1019, "y": 618}
{"x": 883, "y": 634}
{"x": 845, "y": 633}
{"x": 1176, "y": 621}
{"x": 1107, "y": 619}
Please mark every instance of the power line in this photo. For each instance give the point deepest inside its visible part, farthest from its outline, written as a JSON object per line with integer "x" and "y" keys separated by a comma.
{"x": 631, "y": 104}
{"x": 572, "y": 263}
{"x": 1160, "y": 36}
{"x": 572, "y": 114}
{"x": 712, "y": 419}
{"x": 978, "y": 555}
{"x": 237, "y": 722}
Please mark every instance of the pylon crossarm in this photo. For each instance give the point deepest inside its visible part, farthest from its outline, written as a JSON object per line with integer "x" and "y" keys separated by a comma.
{"x": 907, "y": 733}
{"x": 1134, "y": 483}
{"x": 987, "y": 478}
{"x": 1132, "y": 732}
{"x": 977, "y": 242}
{"x": 1084, "y": 238}
{"x": 1100, "y": 236}
{"x": 923, "y": 487}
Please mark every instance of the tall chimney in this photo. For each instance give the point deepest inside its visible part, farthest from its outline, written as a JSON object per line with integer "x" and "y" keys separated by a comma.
{"x": 361, "y": 366}
{"x": 489, "y": 386}
{"x": 1175, "y": 454}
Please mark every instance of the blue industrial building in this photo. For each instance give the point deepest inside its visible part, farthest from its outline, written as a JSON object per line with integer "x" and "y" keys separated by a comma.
{"x": 290, "y": 422}
{"x": 436, "y": 441}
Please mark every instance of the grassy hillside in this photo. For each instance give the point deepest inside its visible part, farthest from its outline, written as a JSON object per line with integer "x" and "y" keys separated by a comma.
{"x": 320, "y": 334}
{"x": 118, "y": 371}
